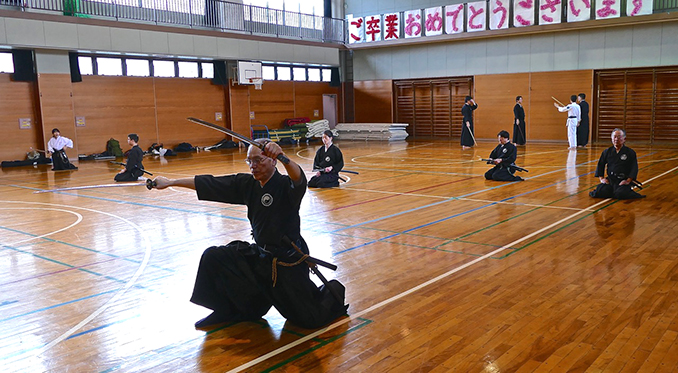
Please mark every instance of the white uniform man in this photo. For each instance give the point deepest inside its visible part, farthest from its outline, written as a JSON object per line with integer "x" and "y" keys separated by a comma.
{"x": 573, "y": 118}
{"x": 56, "y": 148}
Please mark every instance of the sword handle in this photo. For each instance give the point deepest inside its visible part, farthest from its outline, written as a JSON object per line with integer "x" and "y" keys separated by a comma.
{"x": 282, "y": 158}
{"x": 150, "y": 184}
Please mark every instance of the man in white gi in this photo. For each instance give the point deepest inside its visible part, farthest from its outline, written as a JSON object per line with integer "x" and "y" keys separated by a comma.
{"x": 573, "y": 118}
{"x": 55, "y": 149}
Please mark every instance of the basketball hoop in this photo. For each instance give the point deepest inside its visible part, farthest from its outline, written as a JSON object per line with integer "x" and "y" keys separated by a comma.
{"x": 258, "y": 82}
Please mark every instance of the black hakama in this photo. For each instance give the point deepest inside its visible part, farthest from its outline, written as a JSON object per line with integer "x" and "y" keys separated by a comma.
{"x": 60, "y": 161}
{"x": 519, "y": 136}
{"x": 467, "y": 135}
{"x": 583, "y": 129}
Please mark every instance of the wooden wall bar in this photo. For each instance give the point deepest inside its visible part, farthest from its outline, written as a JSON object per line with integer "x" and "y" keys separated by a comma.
{"x": 56, "y": 107}
{"x": 374, "y": 101}
{"x": 496, "y": 97}
{"x": 114, "y": 107}
{"x": 549, "y": 124}
{"x": 16, "y": 101}
{"x": 177, "y": 99}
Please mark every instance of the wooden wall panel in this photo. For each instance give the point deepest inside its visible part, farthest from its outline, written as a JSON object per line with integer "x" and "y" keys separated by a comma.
{"x": 546, "y": 122}
{"x": 373, "y": 101}
{"x": 177, "y": 99}
{"x": 308, "y": 97}
{"x": 240, "y": 108}
{"x": 18, "y": 100}
{"x": 273, "y": 103}
{"x": 113, "y": 107}
{"x": 496, "y": 96}
{"x": 56, "y": 109}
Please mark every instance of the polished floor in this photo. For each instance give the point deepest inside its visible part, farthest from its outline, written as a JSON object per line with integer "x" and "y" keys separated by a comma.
{"x": 444, "y": 270}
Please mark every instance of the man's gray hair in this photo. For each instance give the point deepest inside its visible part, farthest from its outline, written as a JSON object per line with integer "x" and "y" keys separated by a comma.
{"x": 619, "y": 130}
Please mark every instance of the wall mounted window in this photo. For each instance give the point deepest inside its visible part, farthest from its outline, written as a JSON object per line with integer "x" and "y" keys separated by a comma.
{"x": 283, "y": 73}
{"x": 299, "y": 74}
{"x": 188, "y": 69}
{"x": 137, "y": 67}
{"x": 268, "y": 72}
{"x": 313, "y": 74}
{"x": 164, "y": 69}
{"x": 109, "y": 66}
{"x": 6, "y": 63}
{"x": 327, "y": 75}
{"x": 207, "y": 70}
{"x": 86, "y": 66}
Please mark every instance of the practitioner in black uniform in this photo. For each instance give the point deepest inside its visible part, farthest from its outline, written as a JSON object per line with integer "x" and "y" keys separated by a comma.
{"x": 241, "y": 281}
{"x": 133, "y": 168}
{"x": 519, "y": 122}
{"x": 622, "y": 170}
{"x": 583, "y": 128}
{"x": 503, "y": 157}
{"x": 327, "y": 164}
{"x": 467, "y": 134}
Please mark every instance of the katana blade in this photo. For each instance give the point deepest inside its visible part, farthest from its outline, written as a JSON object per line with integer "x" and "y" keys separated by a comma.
{"x": 149, "y": 184}
{"x": 236, "y": 135}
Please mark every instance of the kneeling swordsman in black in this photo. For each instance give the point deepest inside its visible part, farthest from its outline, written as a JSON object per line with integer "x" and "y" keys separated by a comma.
{"x": 327, "y": 163}
{"x": 241, "y": 281}
{"x": 503, "y": 157}
{"x": 622, "y": 170}
{"x": 133, "y": 168}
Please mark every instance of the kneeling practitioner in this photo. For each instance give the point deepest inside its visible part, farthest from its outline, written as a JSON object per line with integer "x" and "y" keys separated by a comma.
{"x": 503, "y": 157}
{"x": 622, "y": 170}
{"x": 241, "y": 281}
{"x": 56, "y": 148}
{"x": 133, "y": 168}
{"x": 327, "y": 163}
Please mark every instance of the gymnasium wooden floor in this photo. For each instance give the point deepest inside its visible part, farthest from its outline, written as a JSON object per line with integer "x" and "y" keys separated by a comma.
{"x": 444, "y": 271}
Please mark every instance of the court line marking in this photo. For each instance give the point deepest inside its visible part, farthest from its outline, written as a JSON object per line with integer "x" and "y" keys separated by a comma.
{"x": 118, "y": 294}
{"x": 78, "y": 220}
{"x": 420, "y": 286}
{"x": 464, "y": 199}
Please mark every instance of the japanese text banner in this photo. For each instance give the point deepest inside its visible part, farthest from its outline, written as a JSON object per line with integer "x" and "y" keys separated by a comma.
{"x": 638, "y": 7}
{"x": 356, "y": 30}
{"x": 454, "y": 19}
{"x": 412, "y": 23}
{"x": 391, "y": 26}
{"x": 578, "y": 10}
{"x": 498, "y": 14}
{"x": 550, "y": 12}
{"x": 373, "y": 28}
{"x": 523, "y": 13}
{"x": 434, "y": 21}
{"x": 475, "y": 16}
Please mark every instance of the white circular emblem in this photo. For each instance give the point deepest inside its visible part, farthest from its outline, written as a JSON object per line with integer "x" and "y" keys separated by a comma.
{"x": 266, "y": 200}
{"x": 623, "y": 157}
{"x": 504, "y": 150}
{"x": 327, "y": 159}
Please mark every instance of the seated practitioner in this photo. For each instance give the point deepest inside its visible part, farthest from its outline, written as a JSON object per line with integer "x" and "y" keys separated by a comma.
{"x": 327, "y": 164}
{"x": 241, "y": 281}
{"x": 622, "y": 170}
{"x": 55, "y": 148}
{"x": 133, "y": 168}
{"x": 503, "y": 157}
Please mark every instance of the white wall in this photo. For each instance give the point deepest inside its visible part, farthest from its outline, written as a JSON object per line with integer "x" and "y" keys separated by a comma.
{"x": 618, "y": 47}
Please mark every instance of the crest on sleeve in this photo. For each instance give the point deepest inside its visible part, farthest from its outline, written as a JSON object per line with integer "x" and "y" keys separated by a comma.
{"x": 623, "y": 157}
{"x": 266, "y": 200}
{"x": 327, "y": 159}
